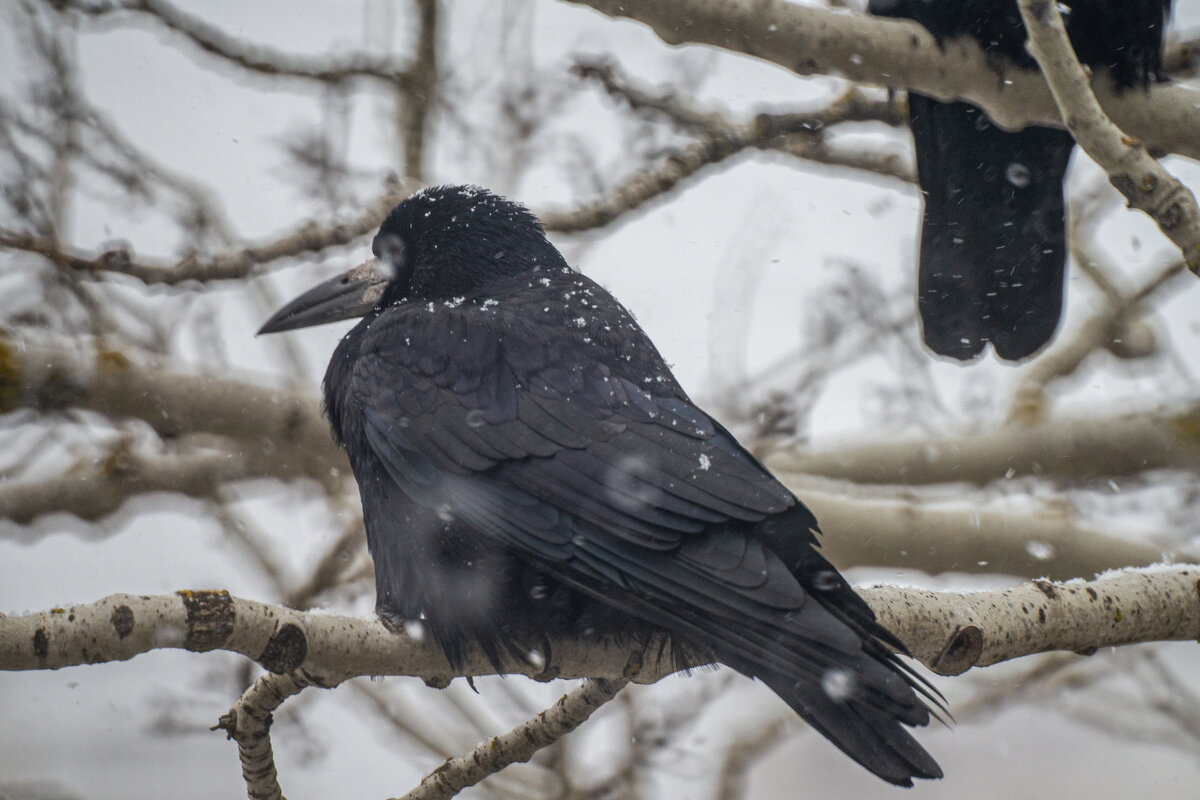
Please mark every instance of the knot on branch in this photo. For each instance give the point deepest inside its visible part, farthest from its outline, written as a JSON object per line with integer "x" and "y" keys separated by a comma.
{"x": 285, "y": 651}
{"x": 210, "y": 619}
{"x": 961, "y": 652}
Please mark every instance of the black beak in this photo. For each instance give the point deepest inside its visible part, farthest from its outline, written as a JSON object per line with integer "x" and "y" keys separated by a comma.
{"x": 351, "y": 294}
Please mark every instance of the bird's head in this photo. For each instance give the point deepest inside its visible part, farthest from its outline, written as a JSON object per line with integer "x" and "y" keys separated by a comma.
{"x": 439, "y": 243}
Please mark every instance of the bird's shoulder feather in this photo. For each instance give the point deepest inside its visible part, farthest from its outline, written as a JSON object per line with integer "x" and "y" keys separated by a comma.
{"x": 546, "y": 384}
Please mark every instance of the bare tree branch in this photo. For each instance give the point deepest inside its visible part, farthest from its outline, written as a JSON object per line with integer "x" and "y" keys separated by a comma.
{"x": 1081, "y": 447}
{"x": 254, "y": 58}
{"x": 864, "y": 529}
{"x": 1182, "y": 58}
{"x": 308, "y": 238}
{"x": 48, "y": 375}
{"x": 416, "y": 98}
{"x": 947, "y": 631}
{"x": 100, "y": 485}
{"x": 978, "y": 629}
{"x": 1030, "y": 402}
{"x": 802, "y": 135}
{"x": 902, "y": 54}
{"x": 746, "y": 752}
{"x": 278, "y": 433}
{"x": 249, "y": 724}
{"x": 519, "y": 744}
{"x": 1145, "y": 183}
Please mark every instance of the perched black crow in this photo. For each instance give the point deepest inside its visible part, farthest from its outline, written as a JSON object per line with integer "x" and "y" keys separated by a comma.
{"x": 993, "y": 245}
{"x": 530, "y": 468}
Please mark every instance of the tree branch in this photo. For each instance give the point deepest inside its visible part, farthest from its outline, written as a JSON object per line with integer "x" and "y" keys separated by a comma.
{"x": 1082, "y": 447}
{"x": 863, "y": 529}
{"x": 253, "y": 58}
{"x": 519, "y": 744}
{"x": 100, "y": 485}
{"x": 1100, "y": 331}
{"x": 1145, "y": 183}
{"x": 249, "y": 724}
{"x": 902, "y": 54}
{"x": 947, "y": 631}
{"x": 416, "y": 98}
{"x": 802, "y": 135}
{"x": 950, "y": 633}
{"x": 275, "y": 433}
{"x": 233, "y": 265}
{"x": 47, "y": 375}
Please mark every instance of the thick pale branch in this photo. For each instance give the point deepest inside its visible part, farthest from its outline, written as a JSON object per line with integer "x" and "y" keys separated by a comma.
{"x": 862, "y": 529}
{"x": 1182, "y": 58}
{"x": 902, "y": 54}
{"x": 972, "y": 629}
{"x": 329, "y": 649}
{"x": 270, "y": 433}
{"x": 1145, "y": 183}
{"x": 101, "y": 485}
{"x": 47, "y": 374}
{"x": 1081, "y": 448}
{"x": 518, "y": 745}
{"x": 952, "y": 633}
{"x": 961, "y": 537}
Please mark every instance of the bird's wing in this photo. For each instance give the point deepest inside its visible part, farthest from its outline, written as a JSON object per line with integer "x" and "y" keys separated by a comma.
{"x": 541, "y": 442}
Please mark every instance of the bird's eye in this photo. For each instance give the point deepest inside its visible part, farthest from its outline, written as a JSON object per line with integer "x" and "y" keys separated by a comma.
{"x": 389, "y": 250}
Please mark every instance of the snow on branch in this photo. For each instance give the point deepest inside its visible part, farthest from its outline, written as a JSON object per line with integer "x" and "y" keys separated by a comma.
{"x": 901, "y": 54}
{"x": 1139, "y": 605}
{"x": 948, "y": 632}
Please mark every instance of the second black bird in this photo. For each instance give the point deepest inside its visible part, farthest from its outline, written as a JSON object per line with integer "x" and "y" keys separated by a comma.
{"x": 530, "y": 468}
{"x": 993, "y": 241}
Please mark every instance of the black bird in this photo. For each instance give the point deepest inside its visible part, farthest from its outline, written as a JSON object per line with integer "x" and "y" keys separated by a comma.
{"x": 993, "y": 244}
{"x": 529, "y": 467}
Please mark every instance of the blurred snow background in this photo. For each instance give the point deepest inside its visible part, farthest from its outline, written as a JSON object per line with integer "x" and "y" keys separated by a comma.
{"x": 740, "y": 273}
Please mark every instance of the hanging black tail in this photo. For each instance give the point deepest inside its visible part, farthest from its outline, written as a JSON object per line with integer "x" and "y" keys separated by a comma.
{"x": 992, "y": 239}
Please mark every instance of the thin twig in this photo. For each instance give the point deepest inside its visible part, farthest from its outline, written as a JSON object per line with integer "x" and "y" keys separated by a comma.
{"x": 254, "y": 58}
{"x": 798, "y": 134}
{"x": 519, "y": 744}
{"x": 249, "y": 724}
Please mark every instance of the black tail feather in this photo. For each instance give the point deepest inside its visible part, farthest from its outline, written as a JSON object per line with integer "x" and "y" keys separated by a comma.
{"x": 869, "y": 735}
{"x": 993, "y": 245}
